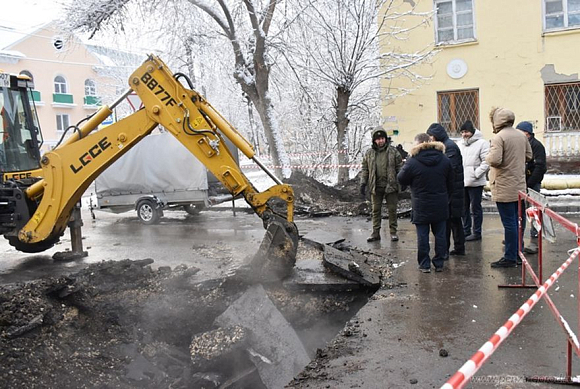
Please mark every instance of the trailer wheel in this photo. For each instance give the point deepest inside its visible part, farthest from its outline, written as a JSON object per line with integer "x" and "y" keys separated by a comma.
{"x": 193, "y": 209}
{"x": 149, "y": 212}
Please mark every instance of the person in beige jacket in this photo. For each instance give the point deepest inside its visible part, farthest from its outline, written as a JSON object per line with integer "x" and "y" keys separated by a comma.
{"x": 508, "y": 153}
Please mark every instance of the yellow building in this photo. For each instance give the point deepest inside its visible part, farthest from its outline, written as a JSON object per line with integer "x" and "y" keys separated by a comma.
{"x": 519, "y": 54}
{"x": 68, "y": 87}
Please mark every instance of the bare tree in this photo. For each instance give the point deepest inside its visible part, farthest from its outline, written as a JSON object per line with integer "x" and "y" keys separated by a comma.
{"x": 339, "y": 43}
{"x": 246, "y": 25}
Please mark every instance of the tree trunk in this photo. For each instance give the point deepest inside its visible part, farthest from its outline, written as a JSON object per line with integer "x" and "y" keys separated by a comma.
{"x": 272, "y": 132}
{"x": 342, "y": 99}
{"x": 258, "y": 94}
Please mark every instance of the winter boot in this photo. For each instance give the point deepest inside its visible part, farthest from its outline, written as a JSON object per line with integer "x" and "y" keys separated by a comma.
{"x": 374, "y": 236}
{"x": 532, "y": 248}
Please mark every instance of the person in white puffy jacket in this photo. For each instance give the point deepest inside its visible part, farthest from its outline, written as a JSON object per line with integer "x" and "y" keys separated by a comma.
{"x": 474, "y": 149}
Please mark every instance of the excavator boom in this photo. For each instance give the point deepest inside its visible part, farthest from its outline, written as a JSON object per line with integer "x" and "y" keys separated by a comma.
{"x": 68, "y": 170}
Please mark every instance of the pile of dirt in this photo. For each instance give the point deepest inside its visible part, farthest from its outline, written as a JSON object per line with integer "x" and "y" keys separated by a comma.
{"x": 124, "y": 325}
{"x": 314, "y": 198}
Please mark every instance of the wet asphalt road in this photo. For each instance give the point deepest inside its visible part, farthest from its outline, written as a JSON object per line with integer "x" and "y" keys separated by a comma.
{"x": 179, "y": 239}
{"x": 402, "y": 330}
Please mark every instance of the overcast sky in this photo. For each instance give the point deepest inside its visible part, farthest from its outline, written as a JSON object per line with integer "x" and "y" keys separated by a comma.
{"x": 28, "y": 13}
{"x": 18, "y": 18}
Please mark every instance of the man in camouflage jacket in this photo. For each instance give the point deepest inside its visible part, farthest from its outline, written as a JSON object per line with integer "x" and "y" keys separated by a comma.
{"x": 380, "y": 166}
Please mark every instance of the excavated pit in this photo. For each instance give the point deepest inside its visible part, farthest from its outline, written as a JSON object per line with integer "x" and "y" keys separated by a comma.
{"x": 123, "y": 324}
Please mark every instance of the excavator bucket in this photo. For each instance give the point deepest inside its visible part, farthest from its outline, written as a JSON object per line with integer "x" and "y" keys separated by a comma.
{"x": 276, "y": 256}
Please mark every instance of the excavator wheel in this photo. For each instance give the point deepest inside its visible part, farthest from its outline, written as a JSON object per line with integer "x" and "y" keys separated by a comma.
{"x": 33, "y": 247}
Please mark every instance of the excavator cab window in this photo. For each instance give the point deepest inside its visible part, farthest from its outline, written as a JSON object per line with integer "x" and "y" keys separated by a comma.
{"x": 19, "y": 131}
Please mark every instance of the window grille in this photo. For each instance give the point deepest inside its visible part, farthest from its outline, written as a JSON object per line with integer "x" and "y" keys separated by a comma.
{"x": 562, "y": 107}
{"x": 454, "y": 108}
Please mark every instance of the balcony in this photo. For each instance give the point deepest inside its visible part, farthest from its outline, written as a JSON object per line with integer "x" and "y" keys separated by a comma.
{"x": 62, "y": 98}
{"x": 92, "y": 101}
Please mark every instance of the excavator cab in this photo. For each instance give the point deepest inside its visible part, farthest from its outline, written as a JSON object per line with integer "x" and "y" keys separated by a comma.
{"x": 20, "y": 137}
{"x": 20, "y": 141}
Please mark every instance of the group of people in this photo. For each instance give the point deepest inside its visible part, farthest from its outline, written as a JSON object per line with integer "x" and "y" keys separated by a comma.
{"x": 447, "y": 180}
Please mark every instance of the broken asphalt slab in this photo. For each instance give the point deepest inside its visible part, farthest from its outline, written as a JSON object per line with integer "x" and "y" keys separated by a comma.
{"x": 352, "y": 266}
{"x": 275, "y": 347}
{"x": 346, "y": 263}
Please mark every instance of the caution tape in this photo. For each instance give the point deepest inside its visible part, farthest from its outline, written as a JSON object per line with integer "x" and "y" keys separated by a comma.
{"x": 464, "y": 374}
{"x": 327, "y": 165}
{"x": 308, "y": 154}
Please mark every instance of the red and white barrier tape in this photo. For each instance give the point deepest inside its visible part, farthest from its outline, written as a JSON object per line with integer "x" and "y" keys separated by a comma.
{"x": 464, "y": 374}
{"x": 308, "y": 154}
{"x": 328, "y": 165}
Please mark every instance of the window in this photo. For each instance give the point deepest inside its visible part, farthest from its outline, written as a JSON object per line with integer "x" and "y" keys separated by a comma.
{"x": 454, "y": 108}
{"x": 90, "y": 87}
{"x": 62, "y": 122}
{"x": 454, "y": 21}
{"x": 562, "y": 107}
{"x": 561, "y": 14}
{"x": 60, "y": 85}
{"x": 27, "y": 73}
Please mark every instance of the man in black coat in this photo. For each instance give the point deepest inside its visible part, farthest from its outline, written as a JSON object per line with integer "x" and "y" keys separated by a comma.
{"x": 535, "y": 170}
{"x": 429, "y": 174}
{"x": 455, "y": 221}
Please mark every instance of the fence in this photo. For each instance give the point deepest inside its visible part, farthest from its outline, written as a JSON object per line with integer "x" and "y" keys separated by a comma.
{"x": 466, "y": 372}
{"x": 562, "y": 144}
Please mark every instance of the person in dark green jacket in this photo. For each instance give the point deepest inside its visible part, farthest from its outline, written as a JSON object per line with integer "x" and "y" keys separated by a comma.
{"x": 380, "y": 166}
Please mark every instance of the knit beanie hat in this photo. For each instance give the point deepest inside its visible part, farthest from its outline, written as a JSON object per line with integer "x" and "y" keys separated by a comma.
{"x": 526, "y": 127}
{"x": 467, "y": 126}
{"x": 379, "y": 132}
{"x": 437, "y": 131}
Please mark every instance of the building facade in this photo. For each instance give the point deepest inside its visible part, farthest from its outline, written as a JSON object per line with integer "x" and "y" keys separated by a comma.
{"x": 67, "y": 84}
{"x": 517, "y": 54}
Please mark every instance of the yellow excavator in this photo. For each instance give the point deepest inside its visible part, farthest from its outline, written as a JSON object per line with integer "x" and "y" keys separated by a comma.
{"x": 38, "y": 193}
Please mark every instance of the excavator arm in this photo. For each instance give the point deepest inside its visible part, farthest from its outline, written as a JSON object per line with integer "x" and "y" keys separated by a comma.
{"x": 68, "y": 170}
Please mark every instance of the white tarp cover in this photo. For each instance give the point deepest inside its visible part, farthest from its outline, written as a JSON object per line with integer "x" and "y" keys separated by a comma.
{"x": 159, "y": 163}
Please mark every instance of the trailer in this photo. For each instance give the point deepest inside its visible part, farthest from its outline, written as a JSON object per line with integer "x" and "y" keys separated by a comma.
{"x": 156, "y": 175}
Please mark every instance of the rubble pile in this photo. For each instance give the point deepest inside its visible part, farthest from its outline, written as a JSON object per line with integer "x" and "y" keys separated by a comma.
{"x": 314, "y": 198}
{"x": 125, "y": 325}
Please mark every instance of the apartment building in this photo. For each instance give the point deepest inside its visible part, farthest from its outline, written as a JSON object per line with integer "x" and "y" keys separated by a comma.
{"x": 518, "y": 54}
{"x": 68, "y": 84}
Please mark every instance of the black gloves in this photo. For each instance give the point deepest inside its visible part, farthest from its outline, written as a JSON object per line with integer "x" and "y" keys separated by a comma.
{"x": 363, "y": 190}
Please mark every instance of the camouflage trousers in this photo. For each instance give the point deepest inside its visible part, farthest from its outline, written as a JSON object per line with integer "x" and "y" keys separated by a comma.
{"x": 377, "y": 205}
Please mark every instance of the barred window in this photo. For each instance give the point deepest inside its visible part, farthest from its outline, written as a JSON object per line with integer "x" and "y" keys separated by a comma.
{"x": 454, "y": 20}
{"x": 454, "y": 108}
{"x": 561, "y": 14}
{"x": 562, "y": 107}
